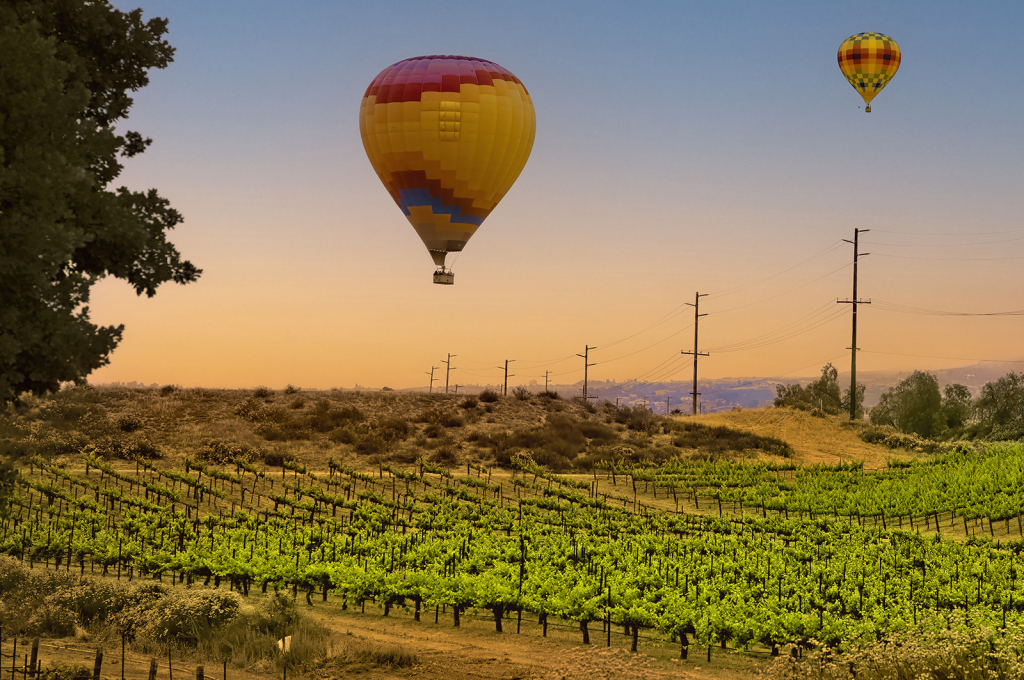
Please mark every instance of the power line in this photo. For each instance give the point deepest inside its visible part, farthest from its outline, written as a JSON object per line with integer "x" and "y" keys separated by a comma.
{"x": 941, "y": 245}
{"x": 834, "y": 271}
{"x": 926, "y": 356}
{"x": 763, "y": 340}
{"x": 952, "y": 259}
{"x": 907, "y": 309}
{"x": 730, "y": 291}
{"x": 958, "y": 233}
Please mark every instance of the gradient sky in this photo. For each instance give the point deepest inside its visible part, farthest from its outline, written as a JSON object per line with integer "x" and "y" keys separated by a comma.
{"x": 680, "y": 147}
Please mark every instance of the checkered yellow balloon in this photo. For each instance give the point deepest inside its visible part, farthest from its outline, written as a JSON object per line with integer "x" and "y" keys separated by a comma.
{"x": 447, "y": 135}
{"x": 869, "y": 61}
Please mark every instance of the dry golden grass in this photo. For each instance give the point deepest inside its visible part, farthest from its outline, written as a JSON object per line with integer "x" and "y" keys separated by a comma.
{"x": 825, "y": 439}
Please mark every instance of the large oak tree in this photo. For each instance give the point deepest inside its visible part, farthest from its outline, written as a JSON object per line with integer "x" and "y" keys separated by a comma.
{"x": 67, "y": 70}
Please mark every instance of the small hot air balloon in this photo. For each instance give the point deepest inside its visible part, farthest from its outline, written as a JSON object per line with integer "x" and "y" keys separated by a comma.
{"x": 448, "y": 136}
{"x": 869, "y": 61}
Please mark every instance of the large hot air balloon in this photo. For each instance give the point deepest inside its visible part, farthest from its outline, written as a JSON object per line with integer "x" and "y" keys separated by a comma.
{"x": 869, "y": 61}
{"x": 447, "y": 136}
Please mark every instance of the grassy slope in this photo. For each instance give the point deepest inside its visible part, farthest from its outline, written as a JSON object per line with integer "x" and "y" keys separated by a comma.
{"x": 828, "y": 439}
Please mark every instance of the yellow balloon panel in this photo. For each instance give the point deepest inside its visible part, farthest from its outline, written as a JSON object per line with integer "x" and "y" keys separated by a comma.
{"x": 448, "y": 136}
{"x": 869, "y": 61}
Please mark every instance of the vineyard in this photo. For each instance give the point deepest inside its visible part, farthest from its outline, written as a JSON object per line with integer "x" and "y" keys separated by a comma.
{"x": 705, "y": 553}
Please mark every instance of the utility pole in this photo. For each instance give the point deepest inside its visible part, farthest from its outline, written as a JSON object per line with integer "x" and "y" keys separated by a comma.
{"x": 456, "y": 388}
{"x": 447, "y": 370}
{"x": 431, "y": 374}
{"x": 546, "y": 380}
{"x": 586, "y": 353}
{"x": 695, "y": 352}
{"x": 504, "y": 390}
{"x": 853, "y": 348}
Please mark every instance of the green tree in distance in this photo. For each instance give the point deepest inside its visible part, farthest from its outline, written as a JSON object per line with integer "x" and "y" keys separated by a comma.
{"x": 1002, "y": 402}
{"x": 823, "y": 394}
{"x": 67, "y": 68}
{"x": 914, "y": 405}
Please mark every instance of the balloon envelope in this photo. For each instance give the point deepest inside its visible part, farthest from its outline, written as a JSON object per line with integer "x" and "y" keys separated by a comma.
{"x": 447, "y": 135}
{"x": 869, "y": 61}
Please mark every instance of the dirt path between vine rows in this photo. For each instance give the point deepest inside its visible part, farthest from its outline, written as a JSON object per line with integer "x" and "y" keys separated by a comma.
{"x": 476, "y": 651}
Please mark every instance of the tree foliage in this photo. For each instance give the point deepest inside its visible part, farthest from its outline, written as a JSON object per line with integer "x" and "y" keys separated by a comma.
{"x": 67, "y": 70}
{"x": 823, "y": 394}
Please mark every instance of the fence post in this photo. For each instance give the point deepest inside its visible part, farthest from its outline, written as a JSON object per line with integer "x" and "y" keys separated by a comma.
{"x": 152, "y": 669}
{"x": 199, "y": 673}
{"x": 98, "y": 665}
{"x": 35, "y": 656}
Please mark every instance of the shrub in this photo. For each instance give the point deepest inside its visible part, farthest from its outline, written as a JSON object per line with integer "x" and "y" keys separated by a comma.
{"x": 445, "y": 455}
{"x": 394, "y": 429}
{"x": 292, "y": 389}
{"x": 323, "y": 417}
{"x": 52, "y": 620}
{"x": 262, "y": 392}
{"x": 221, "y": 452}
{"x": 58, "y": 443}
{"x": 469, "y": 402}
{"x": 128, "y": 447}
{"x": 719, "y": 439}
{"x": 277, "y": 458}
{"x": 129, "y": 422}
{"x": 549, "y": 394}
{"x": 521, "y": 393}
{"x": 371, "y": 444}
{"x": 637, "y": 418}
{"x": 189, "y": 615}
{"x": 168, "y": 390}
{"x": 489, "y": 396}
{"x": 297, "y": 403}
{"x": 342, "y": 435}
{"x": 585, "y": 404}
{"x": 450, "y": 419}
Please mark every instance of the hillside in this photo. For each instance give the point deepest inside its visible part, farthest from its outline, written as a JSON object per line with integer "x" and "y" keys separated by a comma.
{"x": 366, "y": 428}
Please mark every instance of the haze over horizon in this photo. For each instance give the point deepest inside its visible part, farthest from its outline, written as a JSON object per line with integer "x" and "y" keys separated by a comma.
{"x": 674, "y": 154}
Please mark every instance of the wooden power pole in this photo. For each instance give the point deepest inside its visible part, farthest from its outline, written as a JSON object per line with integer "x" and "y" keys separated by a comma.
{"x": 695, "y": 352}
{"x": 431, "y": 374}
{"x": 504, "y": 390}
{"x": 448, "y": 370}
{"x": 586, "y": 353}
{"x": 853, "y": 348}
